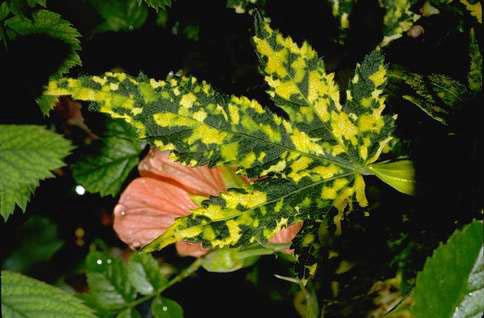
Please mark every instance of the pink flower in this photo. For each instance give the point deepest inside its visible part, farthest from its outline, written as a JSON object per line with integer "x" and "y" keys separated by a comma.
{"x": 152, "y": 202}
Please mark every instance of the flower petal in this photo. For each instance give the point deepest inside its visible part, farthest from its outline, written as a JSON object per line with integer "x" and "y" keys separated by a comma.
{"x": 185, "y": 248}
{"x": 286, "y": 235}
{"x": 146, "y": 208}
{"x": 196, "y": 180}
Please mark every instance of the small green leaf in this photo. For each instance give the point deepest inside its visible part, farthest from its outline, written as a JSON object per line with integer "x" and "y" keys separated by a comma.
{"x": 129, "y": 313}
{"x": 112, "y": 159}
{"x": 46, "y": 103}
{"x": 39, "y": 241}
{"x": 27, "y": 155}
{"x": 108, "y": 281}
{"x": 51, "y": 24}
{"x": 452, "y": 281}
{"x": 144, "y": 274}
{"x": 4, "y": 11}
{"x": 120, "y": 15}
{"x": 29, "y": 298}
{"x": 163, "y": 307}
{"x": 400, "y": 175}
{"x": 474, "y": 77}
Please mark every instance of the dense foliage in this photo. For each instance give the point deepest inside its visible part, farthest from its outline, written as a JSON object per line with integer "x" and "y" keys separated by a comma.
{"x": 333, "y": 171}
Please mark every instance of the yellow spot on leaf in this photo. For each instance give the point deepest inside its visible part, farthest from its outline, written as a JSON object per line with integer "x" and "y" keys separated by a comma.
{"x": 187, "y": 100}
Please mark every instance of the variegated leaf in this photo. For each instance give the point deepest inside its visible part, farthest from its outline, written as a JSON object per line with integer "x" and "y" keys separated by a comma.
{"x": 241, "y": 217}
{"x": 299, "y": 84}
{"x": 341, "y": 10}
{"x": 398, "y": 19}
{"x": 310, "y": 163}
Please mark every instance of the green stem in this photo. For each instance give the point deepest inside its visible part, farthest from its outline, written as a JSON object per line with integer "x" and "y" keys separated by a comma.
{"x": 184, "y": 274}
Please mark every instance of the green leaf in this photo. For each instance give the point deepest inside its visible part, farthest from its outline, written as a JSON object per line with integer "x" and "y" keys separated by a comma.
{"x": 474, "y": 77}
{"x": 4, "y": 11}
{"x": 436, "y": 94}
{"x": 398, "y": 19}
{"x": 399, "y": 175}
{"x": 51, "y": 24}
{"x": 108, "y": 281}
{"x": 129, "y": 313}
{"x": 111, "y": 160}
{"x": 163, "y": 307}
{"x": 26, "y": 297}
{"x": 39, "y": 241}
{"x": 144, "y": 274}
{"x": 452, "y": 281}
{"x": 120, "y": 15}
{"x": 157, "y": 4}
{"x": 27, "y": 155}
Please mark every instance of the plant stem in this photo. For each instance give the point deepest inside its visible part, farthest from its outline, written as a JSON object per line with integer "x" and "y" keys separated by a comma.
{"x": 184, "y": 274}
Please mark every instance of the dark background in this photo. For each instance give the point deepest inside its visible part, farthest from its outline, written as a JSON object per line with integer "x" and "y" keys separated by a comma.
{"x": 448, "y": 159}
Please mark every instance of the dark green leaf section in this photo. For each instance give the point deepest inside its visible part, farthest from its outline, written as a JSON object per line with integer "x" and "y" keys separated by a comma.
{"x": 436, "y": 94}
{"x": 27, "y": 155}
{"x": 157, "y": 4}
{"x": 120, "y": 15}
{"x": 308, "y": 248}
{"x": 452, "y": 281}
{"x": 38, "y": 242}
{"x": 108, "y": 281}
{"x": 29, "y": 298}
{"x": 475, "y": 66}
{"x": 163, "y": 307}
{"x": 53, "y": 25}
{"x": 111, "y": 160}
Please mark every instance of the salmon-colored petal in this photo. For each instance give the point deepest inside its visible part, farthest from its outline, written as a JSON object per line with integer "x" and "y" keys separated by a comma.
{"x": 146, "y": 208}
{"x": 185, "y": 248}
{"x": 286, "y": 235}
{"x": 196, "y": 180}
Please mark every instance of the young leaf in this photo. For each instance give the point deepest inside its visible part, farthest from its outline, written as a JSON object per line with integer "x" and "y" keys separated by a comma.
{"x": 53, "y": 25}
{"x": 163, "y": 307}
{"x": 120, "y": 15}
{"x": 475, "y": 68}
{"x": 398, "y": 19}
{"x": 27, "y": 155}
{"x": 144, "y": 274}
{"x": 26, "y": 297}
{"x": 451, "y": 283}
{"x": 399, "y": 175}
{"x": 115, "y": 155}
{"x": 108, "y": 281}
